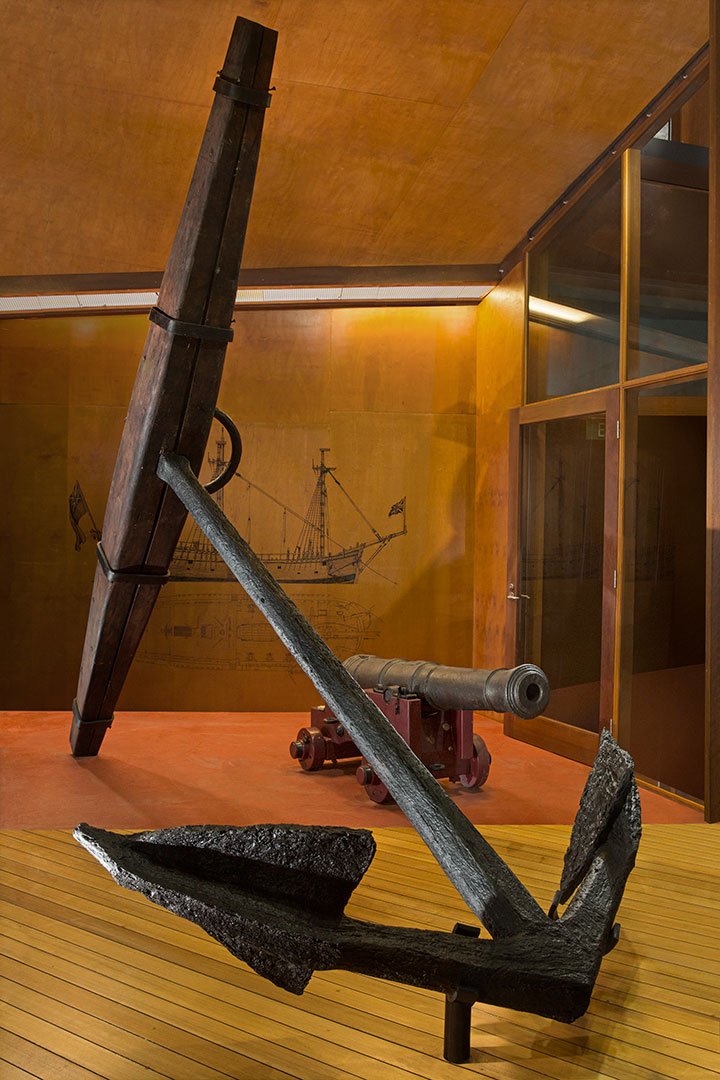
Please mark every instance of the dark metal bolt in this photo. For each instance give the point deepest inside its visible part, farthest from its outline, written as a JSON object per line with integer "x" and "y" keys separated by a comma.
{"x": 364, "y": 775}
{"x": 296, "y": 749}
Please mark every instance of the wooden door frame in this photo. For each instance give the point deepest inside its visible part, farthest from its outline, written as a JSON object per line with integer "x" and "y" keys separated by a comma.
{"x": 705, "y": 65}
{"x": 712, "y": 591}
{"x": 545, "y": 732}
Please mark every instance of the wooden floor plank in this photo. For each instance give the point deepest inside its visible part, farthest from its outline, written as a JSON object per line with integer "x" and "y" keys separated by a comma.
{"x": 8, "y": 1071}
{"x": 702, "y": 975}
{"x": 428, "y": 1038}
{"x": 38, "y": 1060}
{"x": 87, "y": 1053}
{"x": 34, "y": 996}
{"x": 376, "y": 904}
{"x": 175, "y": 1045}
{"x": 684, "y": 946}
{"x": 98, "y": 981}
{"x": 281, "y": 1022}
{"x": 109, "y": 929}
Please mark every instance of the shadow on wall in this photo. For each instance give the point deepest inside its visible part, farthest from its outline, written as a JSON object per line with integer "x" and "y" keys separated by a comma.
{"x": 439, "y": 591}
{"x": 491, "y": 509}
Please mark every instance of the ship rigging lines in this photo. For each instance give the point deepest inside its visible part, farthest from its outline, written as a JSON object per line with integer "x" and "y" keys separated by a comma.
{"x": 316, "y": 557}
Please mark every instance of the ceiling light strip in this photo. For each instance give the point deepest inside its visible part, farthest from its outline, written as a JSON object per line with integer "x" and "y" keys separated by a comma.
{"x": 68, "y": 303}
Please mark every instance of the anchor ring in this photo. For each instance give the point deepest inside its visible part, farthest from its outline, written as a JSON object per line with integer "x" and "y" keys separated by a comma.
{"x": 236, "y": 449}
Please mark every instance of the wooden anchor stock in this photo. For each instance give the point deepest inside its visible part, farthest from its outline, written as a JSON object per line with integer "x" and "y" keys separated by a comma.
{"x": 177, "y": 384}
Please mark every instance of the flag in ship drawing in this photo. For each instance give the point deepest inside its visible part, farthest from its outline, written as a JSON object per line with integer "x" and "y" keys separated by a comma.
{"x": 78, "y": 508}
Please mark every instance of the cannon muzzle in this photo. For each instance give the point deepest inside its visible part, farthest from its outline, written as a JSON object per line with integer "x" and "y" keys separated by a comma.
{"x": 522, "y": 690}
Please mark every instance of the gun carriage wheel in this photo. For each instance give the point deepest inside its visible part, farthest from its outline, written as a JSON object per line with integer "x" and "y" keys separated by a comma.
{"x": 479, "y": 766}
{"x": 309, "y": 749}
{"x": 374, "y": 787}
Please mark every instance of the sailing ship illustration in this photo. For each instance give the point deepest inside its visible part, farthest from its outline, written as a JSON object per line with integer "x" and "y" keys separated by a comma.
{"x": 315, "y": 559}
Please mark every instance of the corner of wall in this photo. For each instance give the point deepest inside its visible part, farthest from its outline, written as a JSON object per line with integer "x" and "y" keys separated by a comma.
{"x": 499, "y": 357}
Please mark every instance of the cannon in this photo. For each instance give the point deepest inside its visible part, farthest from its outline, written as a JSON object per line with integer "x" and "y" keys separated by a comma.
{"x": 431, "y": 706}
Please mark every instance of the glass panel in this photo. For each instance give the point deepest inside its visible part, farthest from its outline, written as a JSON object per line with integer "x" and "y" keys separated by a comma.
{"x": 670, "y": 300}
{"x": 663, "y": 651}
{"x": 574, "y": 297}
{"x": 561, "y": 559}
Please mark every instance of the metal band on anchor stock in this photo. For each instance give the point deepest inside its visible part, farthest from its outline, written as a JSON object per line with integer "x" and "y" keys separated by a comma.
{"x": 247, "y": 95}
{"x": 189, "y": 330}
{"x": 127, "y": 576}
{"x": 78, "y": 720}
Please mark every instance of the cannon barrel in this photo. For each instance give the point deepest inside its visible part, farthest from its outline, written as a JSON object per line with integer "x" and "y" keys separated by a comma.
{"x": 522, "y": 690}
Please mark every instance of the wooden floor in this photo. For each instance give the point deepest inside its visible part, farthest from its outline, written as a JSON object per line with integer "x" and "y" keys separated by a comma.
{"x": 97, "y": 981}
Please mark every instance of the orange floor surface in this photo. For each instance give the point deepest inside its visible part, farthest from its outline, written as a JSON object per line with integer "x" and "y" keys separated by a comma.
{"x": 159, "y": 769}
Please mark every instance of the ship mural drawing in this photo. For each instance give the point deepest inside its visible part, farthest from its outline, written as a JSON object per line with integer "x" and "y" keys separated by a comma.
{"x": 314, "y": 559}
{"x": 225, "y": 632}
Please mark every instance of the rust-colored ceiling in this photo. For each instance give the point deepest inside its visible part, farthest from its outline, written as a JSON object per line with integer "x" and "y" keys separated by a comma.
{"x": 401, "y": 131}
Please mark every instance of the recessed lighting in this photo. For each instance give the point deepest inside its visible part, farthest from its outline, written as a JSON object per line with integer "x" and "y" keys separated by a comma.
{"x": 72, "y": 302}
{"x": 69, "y": 303}
{"x": 559, "y": 312}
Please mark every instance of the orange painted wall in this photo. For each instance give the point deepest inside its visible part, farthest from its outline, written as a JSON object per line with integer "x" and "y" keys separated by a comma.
{"x": 390, "y": 391}
{"x": 500, "y": 347}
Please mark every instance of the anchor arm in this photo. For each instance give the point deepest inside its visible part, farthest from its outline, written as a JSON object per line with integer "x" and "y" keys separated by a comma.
{"x": 274, "y": 896}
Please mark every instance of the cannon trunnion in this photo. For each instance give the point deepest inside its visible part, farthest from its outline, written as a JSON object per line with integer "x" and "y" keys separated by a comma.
{"x": 431, "y": 707}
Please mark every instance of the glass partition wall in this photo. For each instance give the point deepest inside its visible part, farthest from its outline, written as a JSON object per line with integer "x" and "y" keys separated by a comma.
{"x": 563, "y": 496}
{"x": 567, "y": 475}
{"x": 662, "y": 643}
{"x": 574, "y": 298}
{"x": 608, "y": 575}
